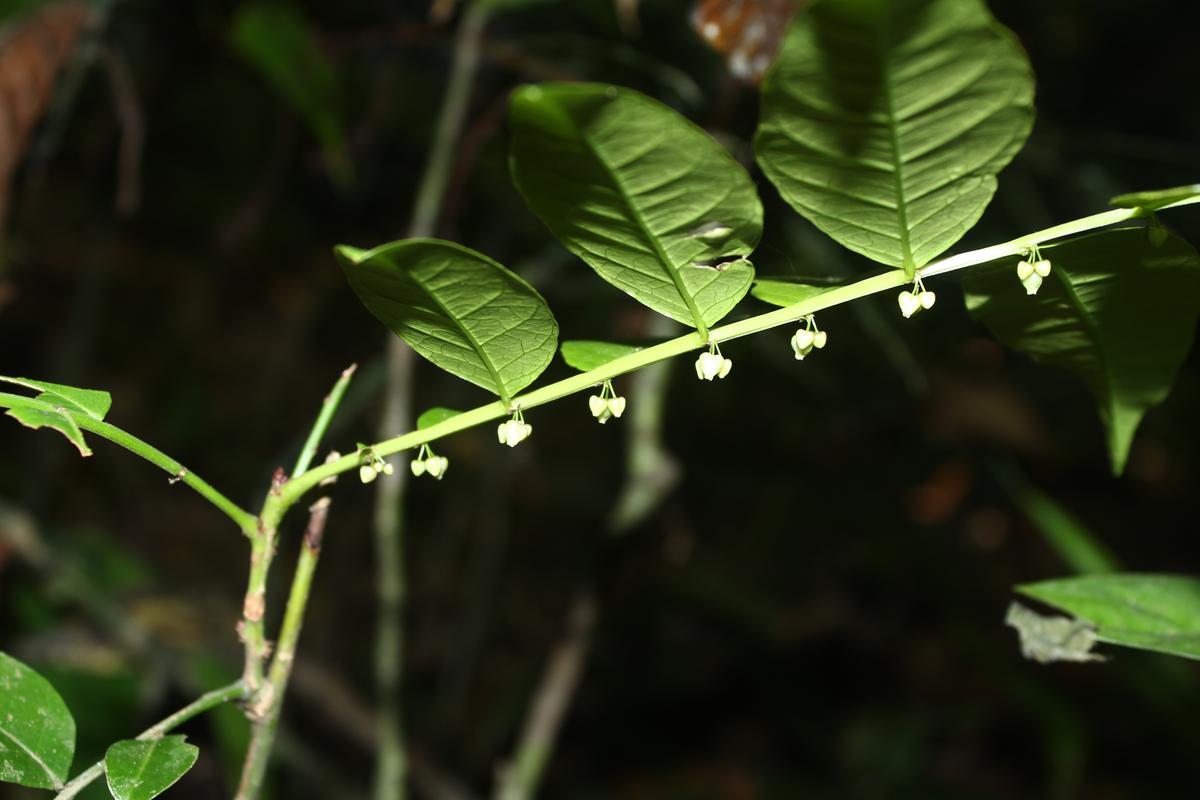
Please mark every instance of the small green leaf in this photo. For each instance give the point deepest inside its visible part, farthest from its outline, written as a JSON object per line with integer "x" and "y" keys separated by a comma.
{"x": 1159, "y": 198}
{"x": 85, "y": 401}
{"x": 638, "y": 192}
{"x": 1116, "y": 310}
{"x": 36, "y": 418}
{"x": 277, "y": 40}
{"x": 434, "y": 416}
{"x": 1147, "y": 612}
{"x": 885, "y": 122}
{"x": 142, "y": 769}
{"x": 783, "y": 292}
{"x": 586, "y": 356}
{"x": 457, "y": 308}
{"x": 37, "y": 732}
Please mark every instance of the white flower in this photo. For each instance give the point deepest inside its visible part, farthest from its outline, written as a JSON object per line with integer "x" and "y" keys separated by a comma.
{"x": 616, "y": 406}
{"x": 418, "y": 467}
{"x": 598, "y": 404}
{"x": 909, "y": 303}
{"x": 1032, "y": 283}
{"x": 1042, "y": 267}
{"x": 367, "y": 473}
{"x": 513, "y": 432}
{"x": 437, "y": 466}
{"x": 709, "y": 366}
{"x": 820, "y": 340}
{"x": 927, "y": 298}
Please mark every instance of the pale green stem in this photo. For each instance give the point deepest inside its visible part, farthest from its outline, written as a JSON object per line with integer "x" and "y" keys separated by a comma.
{"x": 691, "y": 342}
{"x": 332, "y": 400}
{"x": 206, "y": 702}
{"x": 136, "y": 446}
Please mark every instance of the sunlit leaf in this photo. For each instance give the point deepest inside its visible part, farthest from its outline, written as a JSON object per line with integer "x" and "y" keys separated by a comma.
{"x": 1149, "y": 612}
{"x": 85, "y": 401}
{"x": 1159, "y": 198}
{"x": 780, "y": 292}
{"x": 638, "y": 192}
{"x": 1116, "y": 310}
{"x": 434, "y": 416}
{"x": 140, "y": 770}
{"x": 884, "y": 122}
{"x": 37, "y": 733}
{"x": 457, "y": 308}
{"x": 35, "y": 418}
{"x": 586, "y": 356}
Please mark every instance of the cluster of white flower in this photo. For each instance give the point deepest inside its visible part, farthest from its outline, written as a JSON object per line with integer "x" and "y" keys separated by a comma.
{"x": 916, "y": 300}
{"x": 371, "y": 466}
{"x": 1031, "y": 273}
{"x": 808, "y": 337}
{"x": 712, "y": 364}
{"x": 515, "y": 431}
{"x": 606, "y": 405}
{"x": 427, "y": 463}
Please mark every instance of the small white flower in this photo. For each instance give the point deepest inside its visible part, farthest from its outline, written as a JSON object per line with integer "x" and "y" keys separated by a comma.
{"x": 598, "y": 405}
{"x": 1032, "y": 283}
{"x": 367, "y": 473}
{"x": 726, "y": 366}
{"x": 418, "y": 467}
{"x": 616, "y": 406}
{"x": 709, "y": 365}
{"x": 909, "y": 303}
{"x": 437, "y": 466}
{"x": 1042, "y": 267}
{"x": 513, "y": 432}
{"x": 820, "y": 340}
{"x": 927, "y": 298}
{"x": 385, "y": 468}
{"x": 1024, "y": 269}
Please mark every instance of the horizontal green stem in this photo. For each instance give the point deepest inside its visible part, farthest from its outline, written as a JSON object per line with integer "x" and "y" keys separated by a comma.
{"x": 691, "y": 342}
{"x": 206, "y": 702}
{"x": 136, "y": 446}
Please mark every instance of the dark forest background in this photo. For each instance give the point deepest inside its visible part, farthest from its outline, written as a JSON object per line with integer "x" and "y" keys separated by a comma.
{"x": 814, "y": 611}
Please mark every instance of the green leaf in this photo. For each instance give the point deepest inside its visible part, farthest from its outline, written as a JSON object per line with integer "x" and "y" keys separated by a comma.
{"x": 35, "y": 418}
{"x": 278, "y": 41}
{"x": 140, "y": 770}
{"x": 37, "y": 733}
{"x": 586, "y": 356}
{"x": 1159, "y": 198}
{"x": 457, "y": 308}
{"x": 1116, "y": 311}
{"x": 885, "y": 122}
{"x": 434, "y": 416}
{"x": 84, "y": 401}
{"x": 639, "y": 193}
{"x": 782, "y": 292}
{"x": 1148, "y": 612}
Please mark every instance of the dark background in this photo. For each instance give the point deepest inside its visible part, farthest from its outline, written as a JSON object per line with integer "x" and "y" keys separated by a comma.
{"x": 815, "y": 611}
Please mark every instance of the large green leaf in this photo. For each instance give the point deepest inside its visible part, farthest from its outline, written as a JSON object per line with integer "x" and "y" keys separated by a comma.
{"x": 640, "y": 193}
{"x": 587, "y": 355}
{"x": 457, "y": 308}
{"x": 884, "y": 122}
{"x": 1149, "y": 612}
{"x": 37, "y": 733}
{"x": 142, "y": 769}
{"x": 1117, "y": 311}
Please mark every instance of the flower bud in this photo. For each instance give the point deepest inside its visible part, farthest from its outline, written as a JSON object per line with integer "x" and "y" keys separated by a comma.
{"x": 709, "y": 366}
{"x": 367, "y": 473}
{"x": 418, "y": 467}
{"x": 1032, "y": 284}
{"x": 927, "y": 299}
{"x": 616, "y": 406}
{"x": 437, "y": 466}
{"x": 820, "y": 339}
{"x": 909, "y": 303}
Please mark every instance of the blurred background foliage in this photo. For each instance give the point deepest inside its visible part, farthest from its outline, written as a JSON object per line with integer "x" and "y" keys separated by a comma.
{"x": 814, "y": 611}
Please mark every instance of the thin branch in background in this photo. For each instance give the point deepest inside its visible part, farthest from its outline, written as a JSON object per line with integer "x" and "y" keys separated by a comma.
{"x": 128, "y": 109}
{"x": 391, "y": 767}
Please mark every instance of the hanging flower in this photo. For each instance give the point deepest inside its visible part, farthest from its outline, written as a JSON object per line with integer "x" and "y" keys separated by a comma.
{"x": 515, "y": 430}
{"x": 918, "y": 299}
{"x": 427, "y": 462}
{"x": 1032, "y": 273}
{"x": 606, "y": 405}
{"x": 371, "y": 466}
{"x": 712, "y": 364}
{"x": 808, "y": 337}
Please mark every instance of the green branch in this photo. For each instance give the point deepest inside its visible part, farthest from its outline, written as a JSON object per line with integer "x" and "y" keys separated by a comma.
{"x": 690, "y": 342}
{"x": 158, "y": 458}
{"x": 206, "y": 702}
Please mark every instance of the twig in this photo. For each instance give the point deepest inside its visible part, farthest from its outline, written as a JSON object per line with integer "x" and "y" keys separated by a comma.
{"x": 265, "y": 705}
{"x": 128, "y": 110}
{"x": 328, "y": 408}
{"x": 206, "y": 702}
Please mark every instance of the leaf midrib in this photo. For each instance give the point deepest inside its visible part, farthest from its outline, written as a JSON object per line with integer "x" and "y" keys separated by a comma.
{"x": 54, "y": 779}
{"x": 1093, "y": 331}
{"x": 676, "y": 278}
{"x": 894, "y": 139}
{"x": 501, "y": 389}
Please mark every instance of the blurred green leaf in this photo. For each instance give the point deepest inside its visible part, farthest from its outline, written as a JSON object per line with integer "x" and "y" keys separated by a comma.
{"x": 434, "y": 416}
{"x": 1158, "y": 198}
{"x": 884, "y": 122}
{"x": 586, "y": 356}
{"x": 37, "y": 732}
{"x": 36, "y": 418}
{"x": 1046, "y": 639}
{"x": 641, "y": 194}
{"x": 780, "y": 292}
{"x": 457, "y": 308}
{"x": 278, "y": 41}
{"x": 1147, "y": 612}
{"x": 140, "y": 770}
{"x": 1117, "y": 311}
{"x": 84, "y": 401}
